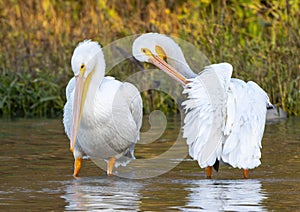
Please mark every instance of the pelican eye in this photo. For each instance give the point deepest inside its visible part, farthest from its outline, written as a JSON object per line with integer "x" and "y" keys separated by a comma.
{"x": 147, "y": 52}
{"x": 82, "y": 69}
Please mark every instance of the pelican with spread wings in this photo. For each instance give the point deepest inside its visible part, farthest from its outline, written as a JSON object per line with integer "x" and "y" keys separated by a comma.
{"x": 225, "y": 117}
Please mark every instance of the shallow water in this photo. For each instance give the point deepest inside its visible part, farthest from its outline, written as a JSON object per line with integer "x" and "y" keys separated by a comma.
{"x": 36, "y": 174}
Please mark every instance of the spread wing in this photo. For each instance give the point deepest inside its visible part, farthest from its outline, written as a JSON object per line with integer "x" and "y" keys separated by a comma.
{"x": 205, "y": 113}
{"x": 246, "y": 116}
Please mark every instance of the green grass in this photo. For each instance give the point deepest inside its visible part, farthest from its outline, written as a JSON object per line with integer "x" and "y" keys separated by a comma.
{"x": 260, "y": 38}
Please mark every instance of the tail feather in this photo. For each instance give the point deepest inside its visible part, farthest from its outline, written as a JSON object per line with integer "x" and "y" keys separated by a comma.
{"x": 216, "y": 165}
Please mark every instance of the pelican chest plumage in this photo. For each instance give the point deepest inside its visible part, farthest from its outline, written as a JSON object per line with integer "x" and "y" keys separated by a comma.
{"x": 225, "y": 117}
{"x": 102, "y": 116}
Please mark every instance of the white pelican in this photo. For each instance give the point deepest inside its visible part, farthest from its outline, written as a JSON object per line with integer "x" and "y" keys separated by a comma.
{"x": 225, "y": 117}
{"x": 102, "y": 116}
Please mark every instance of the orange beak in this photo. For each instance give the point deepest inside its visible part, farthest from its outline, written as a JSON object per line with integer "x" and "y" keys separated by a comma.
{"x": 79, "y": 99}
{"x": 161, "y": 64}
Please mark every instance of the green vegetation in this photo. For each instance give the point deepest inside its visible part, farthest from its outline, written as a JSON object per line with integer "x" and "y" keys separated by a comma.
{"x": 261, "y": 38}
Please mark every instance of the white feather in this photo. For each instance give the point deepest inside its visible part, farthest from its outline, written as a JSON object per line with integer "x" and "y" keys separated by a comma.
{"x": 203, "y": 108}
{"x": 242, "y": 146}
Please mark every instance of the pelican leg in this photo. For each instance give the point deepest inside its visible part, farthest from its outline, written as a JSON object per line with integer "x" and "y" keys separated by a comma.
{"x": 208, "y": 171}
{"x": 246, "y": 171}
{"x": 110, "y": 166}
{"x": 77, "y": 166}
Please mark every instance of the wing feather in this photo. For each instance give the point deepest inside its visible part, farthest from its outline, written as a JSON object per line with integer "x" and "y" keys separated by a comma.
{"x": 68, "y": 108}
{"x": 205, "y": 113}
{"x": 242, "y": 146}
{"x": 135, "y": 103}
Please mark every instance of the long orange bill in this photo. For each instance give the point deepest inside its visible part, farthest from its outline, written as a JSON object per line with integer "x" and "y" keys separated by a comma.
{"x": 161, "y": 64}
{"x": 77, "y": 109}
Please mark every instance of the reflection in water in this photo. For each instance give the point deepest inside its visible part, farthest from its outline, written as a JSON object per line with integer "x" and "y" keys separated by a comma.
{"x": 90, "y": 194}
{"x": 36, "y": 175}
{"x": 228, "y": 195}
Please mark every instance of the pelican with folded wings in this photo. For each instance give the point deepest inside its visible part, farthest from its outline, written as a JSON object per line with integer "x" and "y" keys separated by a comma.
{"x": 102, "y": 116}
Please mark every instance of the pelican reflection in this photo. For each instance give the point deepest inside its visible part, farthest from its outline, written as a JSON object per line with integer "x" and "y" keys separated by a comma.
{"x": 92, "y": 194}
{"x": 225, "y": 195}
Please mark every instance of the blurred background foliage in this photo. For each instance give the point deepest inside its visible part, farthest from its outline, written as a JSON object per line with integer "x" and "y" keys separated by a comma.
{"x": 260, "y": 38}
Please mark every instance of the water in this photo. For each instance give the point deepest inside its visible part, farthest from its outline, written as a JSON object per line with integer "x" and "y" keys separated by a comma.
{"x": 36, "y": 174}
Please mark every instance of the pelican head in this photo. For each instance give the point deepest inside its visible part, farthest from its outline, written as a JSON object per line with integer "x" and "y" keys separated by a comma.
{"x": 161, "y": 51}
{"x": 87, "y": 63}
